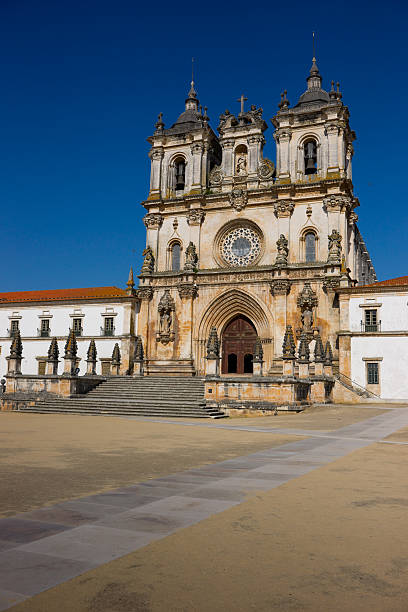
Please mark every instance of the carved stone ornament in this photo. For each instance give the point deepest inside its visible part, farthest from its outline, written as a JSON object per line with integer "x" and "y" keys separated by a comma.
{"x": 328, "y": 354}
{"x": 319, "y": 349}
{"x": 156, "y": 154}
{"x": 238, "y": 199}
{"x": 307, "y": 300}
{"x": 334, "y": 256}
{"x": 213, "y": 344}
{"x": 283, "y": 208}
{"x": 16, "y": 348}
{"x": 148, "y": 262}
{"x": 166, "y": 310}
{"x": 304, "y": 351}
{"x": 144, "y": 293}
{"x": 187, "y": 290}
{"x": 116, "y": 357}
{"x": 153, "y": 220}
{"x": 280, "y": 287}
{"x": 91, "y": 354}
{"x": 335, "y": 203}
{"x": 258, "y": 351}
{"x": 191, "y": 258}
{"x": 288, "y": 346}
{"x": 53, "y": 351}
{"x": 266, "y": 169}
{"x": 353, "y": 218}
{"x": 139, "y": 353}
{"x": 283, "y": 251}
{"x": 215, "y": 177}
{"x": 195, "y": 216}
{"x": 331, "y": 283}
{"x": 71, "y": 346}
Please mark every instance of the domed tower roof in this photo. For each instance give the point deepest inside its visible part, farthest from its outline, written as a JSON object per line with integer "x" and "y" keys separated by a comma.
{"x": 191, "y": 118}
{"x": 314, "y": 93}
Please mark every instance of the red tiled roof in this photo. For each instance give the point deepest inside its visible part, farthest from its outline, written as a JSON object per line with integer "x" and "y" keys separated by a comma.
{"x": 54, "y": 295}
{"x": 392, "y": 282}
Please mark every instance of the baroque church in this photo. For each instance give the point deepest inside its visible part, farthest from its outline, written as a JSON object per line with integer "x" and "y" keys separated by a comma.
{"x": 238, "y": 250}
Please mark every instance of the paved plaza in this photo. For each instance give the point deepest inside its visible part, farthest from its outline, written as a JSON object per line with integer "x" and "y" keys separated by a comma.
{"x": 294, "y": 512}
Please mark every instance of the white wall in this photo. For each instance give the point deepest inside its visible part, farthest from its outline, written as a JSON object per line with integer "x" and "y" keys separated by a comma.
{"x": 393, "y": 312}
{"x": 390, "y": 345}
{"x": 60, "y": 322}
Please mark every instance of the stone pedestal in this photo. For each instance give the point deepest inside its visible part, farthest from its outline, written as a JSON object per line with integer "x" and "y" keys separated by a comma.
{"x": 303, "y": 369}
{"x": 318, "y": 392}
{"x": 14, "y": 365}
{"x": 91, "y": 367}
{"x": 69, "y": 366}
{"x": 288, "y": 367}
{"x": 258, "y": 368}
{"x": 212, "y": 367}
{"x": 115, "y": 368}
{"x": 328, "y": 369}
{"x": 138, "y": 369}
{"x": 52, "y": 367}
{"x": 319, "y": 368}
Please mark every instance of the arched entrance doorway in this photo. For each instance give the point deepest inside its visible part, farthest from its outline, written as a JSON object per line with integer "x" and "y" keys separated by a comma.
{"x": 238, "y": 342}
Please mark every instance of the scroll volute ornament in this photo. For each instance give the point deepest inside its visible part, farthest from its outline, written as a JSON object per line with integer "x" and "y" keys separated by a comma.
{"x": 166, "y": 309}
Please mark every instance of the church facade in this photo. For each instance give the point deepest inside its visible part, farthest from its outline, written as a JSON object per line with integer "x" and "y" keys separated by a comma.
{"x": 238, "y": 249}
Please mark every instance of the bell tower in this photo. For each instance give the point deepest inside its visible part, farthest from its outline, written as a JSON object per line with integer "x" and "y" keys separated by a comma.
{"x": 313, "y": 139}
{"x": 182, "y": 155}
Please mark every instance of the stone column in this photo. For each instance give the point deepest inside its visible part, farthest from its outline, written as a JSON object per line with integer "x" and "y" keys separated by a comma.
{"x": 280, "y": 288}
{"x": 255, "y": 143}
{"x": 195, "y": 218}
{"x": 258, "y": 358}
{"x": 153, "y": 223}
{"x": 145, "y": 294}
{"x": 204, "y": 166}
{"x": 156, "y": 156}
{"x": 332, "y": 132}
{"x": 188, "y": 291}
{"x": 283, "y": 211}
{"x": 284, "y": 136}
{"x": 197, "y": 153}
{"x": 227, "y": 166}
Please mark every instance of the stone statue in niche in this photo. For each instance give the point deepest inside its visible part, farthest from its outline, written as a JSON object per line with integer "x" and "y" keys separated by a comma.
{"x": 283, "y": 251}
{"x": 148, "y": 262}
{"x": 307, "y": 300}
{"x": 191, "y": 258}
{"x": 334, "y": 248}
{"x": 166, "y": 310}
{"x": 241, "y": 166}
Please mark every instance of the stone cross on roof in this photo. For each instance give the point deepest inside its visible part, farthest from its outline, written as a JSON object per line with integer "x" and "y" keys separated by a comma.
{"x": 242, "y": 99}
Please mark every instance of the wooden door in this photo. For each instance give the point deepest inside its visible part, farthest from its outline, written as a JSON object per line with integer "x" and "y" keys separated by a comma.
{"x": 238, "y": 342}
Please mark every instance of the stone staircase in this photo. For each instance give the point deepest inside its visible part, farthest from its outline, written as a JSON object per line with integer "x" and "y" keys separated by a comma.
{"x": 168, "y": 397}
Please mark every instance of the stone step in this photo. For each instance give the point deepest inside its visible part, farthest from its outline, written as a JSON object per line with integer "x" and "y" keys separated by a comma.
{"x": 143, "y": 396}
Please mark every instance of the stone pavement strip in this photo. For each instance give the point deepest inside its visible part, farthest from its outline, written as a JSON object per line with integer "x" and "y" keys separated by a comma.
{"x": 45, "y": 547}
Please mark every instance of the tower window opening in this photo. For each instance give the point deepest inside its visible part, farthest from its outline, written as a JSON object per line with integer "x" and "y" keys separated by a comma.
{"x": 175, "y": 257}
{"x": 180, "y": 167}
{"x": 310, "y": 246}
{"x": 310, "y": 156}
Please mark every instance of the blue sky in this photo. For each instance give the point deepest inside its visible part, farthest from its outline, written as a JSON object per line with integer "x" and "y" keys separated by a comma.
{"x": 82, "y": 84}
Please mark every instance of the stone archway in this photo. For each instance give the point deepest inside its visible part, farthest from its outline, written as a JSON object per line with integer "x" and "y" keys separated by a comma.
{"x": 238, "y": 342}
{"x": 223, "y": 309}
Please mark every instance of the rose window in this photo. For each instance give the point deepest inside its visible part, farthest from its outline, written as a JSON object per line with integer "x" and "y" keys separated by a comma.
{"x": 241, "y": 246}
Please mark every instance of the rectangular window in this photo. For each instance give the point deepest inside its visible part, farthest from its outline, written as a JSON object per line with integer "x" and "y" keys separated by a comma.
{"x": 109, "y": 328}
{"x": 370, "y": 321}
{"x": 45, "y": 328}
{"x": 77, "y": 326}
{"x": 372, "y": 373}
{"x": 14, "y": 326}
{"x": 41, "y": 367}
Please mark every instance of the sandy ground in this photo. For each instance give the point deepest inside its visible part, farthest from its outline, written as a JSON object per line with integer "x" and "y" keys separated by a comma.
{"x": 333, "y": 540}
{"x": 45, "y": 459}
